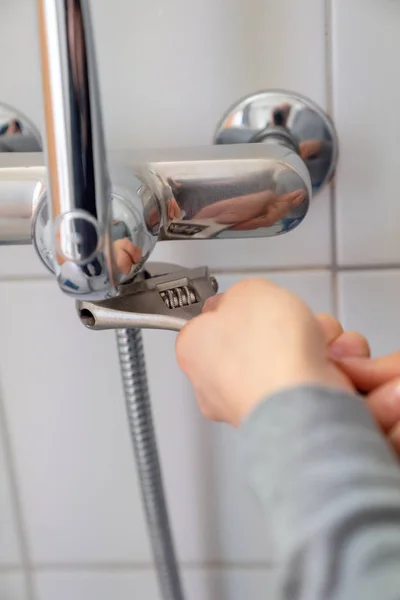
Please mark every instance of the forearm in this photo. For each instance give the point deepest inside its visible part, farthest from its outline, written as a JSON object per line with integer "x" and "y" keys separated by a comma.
{"x": 330, "y": 488}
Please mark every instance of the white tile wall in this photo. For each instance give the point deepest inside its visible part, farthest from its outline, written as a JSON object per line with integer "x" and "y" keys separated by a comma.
{"x": 9, "y": 543}
{"x": 168, "y": 71}
{"x": 366, "y": 92}
{"x": 368, "y": 302}
{"x": 12, "y": 586}
{"x": 64, "y": 404}
{"x": 70, "y": 439}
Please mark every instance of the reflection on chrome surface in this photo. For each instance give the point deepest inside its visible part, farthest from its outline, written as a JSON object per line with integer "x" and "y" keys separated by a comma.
{"x": 17, "y": 133}
{"x": 25, "y": 215}
{"x": 255, "y": 191}
{"x": 266, "y": 116}
{"x": 132, "y": 241}
{"x": 220, "y": 191}
{"x": 266, "y": 210}
{"x": 212, "y": 192}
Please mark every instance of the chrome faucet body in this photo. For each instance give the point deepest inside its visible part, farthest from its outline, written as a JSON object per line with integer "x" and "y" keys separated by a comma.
{"x": 95, "y": 219}
{"x": 79, "y": 184}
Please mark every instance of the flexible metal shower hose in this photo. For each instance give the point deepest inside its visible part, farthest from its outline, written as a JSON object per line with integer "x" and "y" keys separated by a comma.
{"x": 133, "y": 367}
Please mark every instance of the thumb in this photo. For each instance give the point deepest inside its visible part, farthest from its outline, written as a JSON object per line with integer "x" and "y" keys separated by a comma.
{"x": 212, "y": 302}
{"x": 368, "y": 374}
{"x": 384, "y": 403}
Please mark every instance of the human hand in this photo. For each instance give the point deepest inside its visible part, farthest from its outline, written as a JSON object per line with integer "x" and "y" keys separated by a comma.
{"x": 173, "y": 212}
{"x": 345, "y": 351}
{"x": 126, "y": 254}
{"x": 310, "y": 149}
{"x": 378, "y": 378}
{"x": 251, "y": 342}
{"x": 253, "y": 211}
{"x": 13, "y": 128}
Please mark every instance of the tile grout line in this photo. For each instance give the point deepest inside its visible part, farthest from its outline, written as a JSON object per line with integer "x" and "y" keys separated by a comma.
{"x": 266, "y": 270}
{"x": 332, "y": 192}
{"x": 307, "y": 268}
{"x": 28, "y": 278}
{"x": 310, "y": 269}
{"x": 369, "y": 267}
{"x": 7, "y": 569}
{"x": 146, "y": 566}
{"x": 26, "y": 564}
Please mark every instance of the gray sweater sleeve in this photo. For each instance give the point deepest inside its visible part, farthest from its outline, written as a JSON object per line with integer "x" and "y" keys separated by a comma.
{"x": 330, "y": 489}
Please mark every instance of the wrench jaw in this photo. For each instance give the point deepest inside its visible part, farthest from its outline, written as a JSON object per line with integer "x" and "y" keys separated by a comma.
{"x": 155, "y": 300}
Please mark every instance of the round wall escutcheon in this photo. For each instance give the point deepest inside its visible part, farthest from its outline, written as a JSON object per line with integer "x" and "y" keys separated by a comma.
{"x": 284, "y": 117}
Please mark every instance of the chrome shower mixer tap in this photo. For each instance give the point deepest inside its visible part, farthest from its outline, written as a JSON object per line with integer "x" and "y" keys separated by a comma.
{"x": 97, "y": 217}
